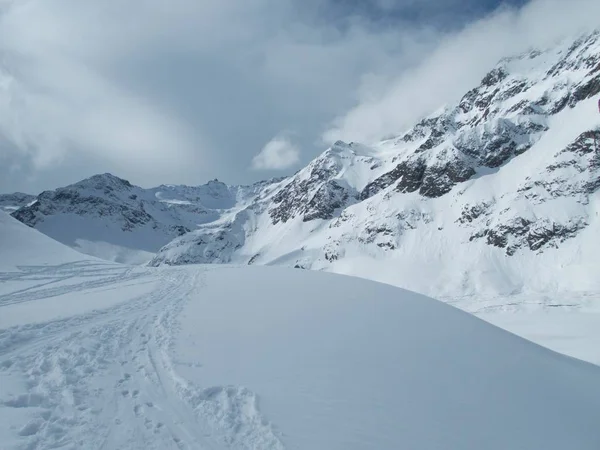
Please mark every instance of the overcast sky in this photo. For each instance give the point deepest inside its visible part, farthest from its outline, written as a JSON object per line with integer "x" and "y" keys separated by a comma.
{"x": 183, "y": 91}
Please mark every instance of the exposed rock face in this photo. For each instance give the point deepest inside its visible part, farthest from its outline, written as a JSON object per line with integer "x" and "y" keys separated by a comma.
{"x": 498, "y": 120}
{"x": 522, "y": 233}
{"x": 328, "y": 198}
{"x": 317, "y": 191}
{"x": 449, "y": 169}
{"x": 308, "y": 197}
{"x": 208, "y": 245}
{"x": 573, "y": 175}
{"x": 409, "y": 175}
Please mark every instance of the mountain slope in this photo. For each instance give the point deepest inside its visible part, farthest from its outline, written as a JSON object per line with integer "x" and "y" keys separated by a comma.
{"x": 20, "y": 245}
{"x": 11, "y": 202}
{"x": 108, "y": 217}
{"x": 380, "y": 368}
{"x": 472, "y": 200}
{"x": 95, "y": 354}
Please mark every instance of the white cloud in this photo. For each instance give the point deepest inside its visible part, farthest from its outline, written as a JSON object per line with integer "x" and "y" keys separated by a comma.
{"x": 190, "y": 90}
{"x": 156, "y": 99}
{"x": 83, "y": 112}
{"x": 279, "y": 153}
{"x": 390, "y": 106}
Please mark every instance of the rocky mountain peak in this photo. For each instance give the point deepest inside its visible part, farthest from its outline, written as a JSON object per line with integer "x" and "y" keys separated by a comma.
{"x": 102, "y": 182}
{"x": 510, "y": 172}
{"x": 510, "y": 169}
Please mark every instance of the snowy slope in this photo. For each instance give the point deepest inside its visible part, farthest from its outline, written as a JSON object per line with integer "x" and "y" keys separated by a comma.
{"x": 108, "y": 217}
{"x": 469, "y": 203}
{"x": 39, "y": 249}
{"x": 42, "y": 279}
{"x": 97, "y": 355}
{"x": 342, "y": 363}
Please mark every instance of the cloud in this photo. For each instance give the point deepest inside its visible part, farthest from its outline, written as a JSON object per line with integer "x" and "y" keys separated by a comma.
{"x": 56, "y": 98}
{"x": 389, "y": 106}
{"x": 278, "y": 154}
{"x": 190, "y": 90}
{"x": 156, "y": 99}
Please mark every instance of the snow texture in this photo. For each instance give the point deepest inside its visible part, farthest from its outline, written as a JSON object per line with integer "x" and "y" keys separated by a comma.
{"x": 106, "y": 356}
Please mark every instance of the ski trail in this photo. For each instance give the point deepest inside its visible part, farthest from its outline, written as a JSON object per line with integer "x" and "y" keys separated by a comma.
{"x": 230, "y": 411}
{"x": 105, "y": 380}
{"x": 45, "y": 282}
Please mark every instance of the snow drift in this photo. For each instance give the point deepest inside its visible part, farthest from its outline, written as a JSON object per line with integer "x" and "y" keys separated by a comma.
{"x": 342, "y": 363}
{"x": 99, "y": 355}
{"x": 23, "y": 246}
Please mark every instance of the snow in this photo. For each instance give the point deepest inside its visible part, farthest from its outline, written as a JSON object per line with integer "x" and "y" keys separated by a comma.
{"x": 39, "y": 249}
{"x": 109, "y": 218}
{"x": 343, "y": 363}
{"x": 42, "y": 280}
{"x": 432, "y": 252}
{"x": 101, "y": 355}
{"x": 406, "y": 239}
{"x": 102, "y": 238}
{"x": 95, "y": 354}
{"x": 573, "y": 333}
{"x": 425, "y": 244}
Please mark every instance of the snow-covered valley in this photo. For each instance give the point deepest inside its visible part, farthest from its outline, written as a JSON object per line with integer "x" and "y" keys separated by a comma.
{"x": 105, "y": 356}
{"x": 299, "y": 312}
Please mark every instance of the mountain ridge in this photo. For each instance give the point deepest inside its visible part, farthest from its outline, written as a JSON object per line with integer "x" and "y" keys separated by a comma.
{"x": 472, "y": 198}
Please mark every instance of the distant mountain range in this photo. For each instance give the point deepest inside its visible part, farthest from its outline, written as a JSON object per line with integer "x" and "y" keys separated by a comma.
{"x": 496, "y": 195}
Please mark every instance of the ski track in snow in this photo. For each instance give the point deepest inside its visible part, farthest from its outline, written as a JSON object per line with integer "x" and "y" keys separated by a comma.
{"x": 49, "y": 280}
{"x": 105, "y": 380}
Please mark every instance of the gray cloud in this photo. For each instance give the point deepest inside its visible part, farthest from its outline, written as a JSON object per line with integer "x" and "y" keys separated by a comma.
{"x": 457, "y": 64}
{"x": 187, "y": 90}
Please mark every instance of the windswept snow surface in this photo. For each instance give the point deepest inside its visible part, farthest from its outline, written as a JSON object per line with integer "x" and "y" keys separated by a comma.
{"x": 342, "y": 363}
{"x": 95, "y": 355}
{"x": 20, "y": 244}
{"x": 41, "y": 279}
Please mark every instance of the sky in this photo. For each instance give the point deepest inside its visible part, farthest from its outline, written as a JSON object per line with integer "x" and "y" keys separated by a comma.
{"x": 190, "y": 90}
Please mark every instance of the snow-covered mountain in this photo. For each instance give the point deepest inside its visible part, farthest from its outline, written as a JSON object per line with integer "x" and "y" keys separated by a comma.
{"x": 11, "y": 202}
{"x": 495, "y": 195}
{"x": 108, "y": 217}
